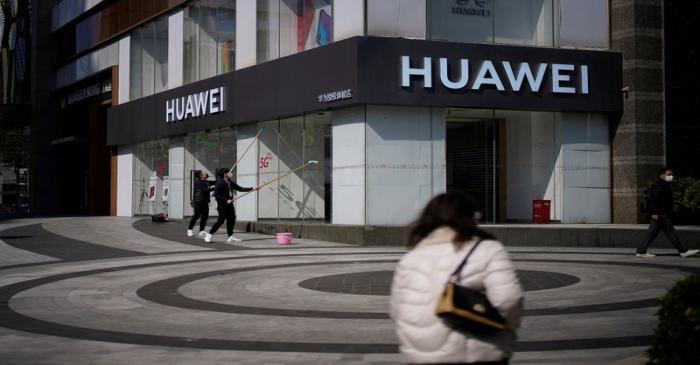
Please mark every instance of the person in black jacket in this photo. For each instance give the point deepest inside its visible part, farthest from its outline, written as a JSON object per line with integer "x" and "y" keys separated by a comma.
{"x": 661, "y": 210}
{"x": 200, "y": 202}
{"x": 224, "y": 205}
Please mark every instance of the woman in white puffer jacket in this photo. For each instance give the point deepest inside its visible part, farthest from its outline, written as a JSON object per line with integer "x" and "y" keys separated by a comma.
{"x": 439, "y": 241}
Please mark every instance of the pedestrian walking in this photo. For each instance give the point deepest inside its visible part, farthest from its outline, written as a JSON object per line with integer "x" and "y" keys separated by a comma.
{"x": 224, "y": 205}
{"x": 444, "y": 236}
{"x": 660, "y": 206}
{"x": 200, "y": 202}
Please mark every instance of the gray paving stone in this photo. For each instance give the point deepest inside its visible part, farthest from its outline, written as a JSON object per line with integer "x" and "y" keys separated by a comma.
{"x": 243, "y": 304}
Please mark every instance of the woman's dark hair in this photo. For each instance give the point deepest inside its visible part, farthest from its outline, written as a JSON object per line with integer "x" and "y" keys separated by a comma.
{"x": 452, "y": 210}
{"x": 221, "y": 172}
{"x": 664, "y": 169}
{"x": 198, "y": 174}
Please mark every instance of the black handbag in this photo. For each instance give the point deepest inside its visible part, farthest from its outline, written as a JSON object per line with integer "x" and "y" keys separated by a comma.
{"x": 465, "y": 309}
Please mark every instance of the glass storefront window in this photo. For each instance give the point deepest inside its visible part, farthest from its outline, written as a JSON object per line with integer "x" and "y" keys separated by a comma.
{"x": 207, "y": 151}
{"x": 287, "y": 27}
{"x": 87, "y": 33}
{"x": 285, "y": 146}
{"x": 582, "y": 24}
{"x": 396, "y": 18}
{"x": 472, "y": 22}
{"x": 565, "y": 23}
{"x": 88, "y": 64}
{"x": 268, "y": 30}
{"x": 149, "y": 173}
{"x": 528, "y": 22}
{"x": 209, "y": 36}
{"x": 149, "y": 59}
{"x": 107, "y": 22}
{"x": 14, "y": 168}
{"x": 505, "y": 159}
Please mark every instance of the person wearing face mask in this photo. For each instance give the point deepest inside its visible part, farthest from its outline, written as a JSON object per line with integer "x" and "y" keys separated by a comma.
{"x": 661, "y": 210}
{"x": 224, "y": 204}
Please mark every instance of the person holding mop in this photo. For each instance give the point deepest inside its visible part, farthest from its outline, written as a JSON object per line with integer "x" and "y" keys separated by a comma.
{"x": 200, "y": 202}
{"x": 224, "y": 204}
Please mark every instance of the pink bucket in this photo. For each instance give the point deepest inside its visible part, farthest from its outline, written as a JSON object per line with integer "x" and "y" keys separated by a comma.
{"x": 284, "y": 238}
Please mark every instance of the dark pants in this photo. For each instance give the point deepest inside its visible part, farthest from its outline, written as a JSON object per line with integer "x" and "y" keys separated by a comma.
{"x": 664, "y": 224}
{"x": 201, "y": 209}
{"x": 226, "y": 213}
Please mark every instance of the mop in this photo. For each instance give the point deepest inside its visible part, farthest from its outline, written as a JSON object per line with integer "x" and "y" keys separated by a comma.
{"x": 310, "y": 162}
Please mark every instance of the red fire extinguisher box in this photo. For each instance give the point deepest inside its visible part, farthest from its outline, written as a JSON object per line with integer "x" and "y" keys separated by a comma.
{"x": 540, "y": 211}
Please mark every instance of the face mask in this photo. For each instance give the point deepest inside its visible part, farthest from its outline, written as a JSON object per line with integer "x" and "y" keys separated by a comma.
{"x": 668, "y": 178}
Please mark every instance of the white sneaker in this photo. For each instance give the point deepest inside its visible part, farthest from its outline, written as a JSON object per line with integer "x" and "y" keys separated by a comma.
{"x": 233, "y": 238}
{"x": 207, "y": 238}
{"x": 645, "y": 255}
{"x": 202, "y": 234}
{"x": 190, "y": 233}
{"x": 690, "y": 253}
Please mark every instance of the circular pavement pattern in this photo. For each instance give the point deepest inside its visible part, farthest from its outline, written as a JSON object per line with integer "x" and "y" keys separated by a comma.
{"x": 316, "y": 300}
{"x": 229, "y": 315}
{"x": 379, "y": 282}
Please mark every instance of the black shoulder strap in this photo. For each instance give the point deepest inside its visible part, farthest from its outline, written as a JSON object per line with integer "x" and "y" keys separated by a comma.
{"x": 459, "y": 268}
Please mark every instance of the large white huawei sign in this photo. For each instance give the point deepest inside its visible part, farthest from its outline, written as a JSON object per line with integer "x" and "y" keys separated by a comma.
{"x": 195, "y": 105}
{"x": 495, "y": 73}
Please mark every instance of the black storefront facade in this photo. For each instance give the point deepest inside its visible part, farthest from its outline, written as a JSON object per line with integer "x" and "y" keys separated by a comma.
{"x": 392, "y": 122}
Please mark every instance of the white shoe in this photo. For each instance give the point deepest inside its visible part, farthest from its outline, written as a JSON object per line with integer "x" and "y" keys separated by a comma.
{"x": 690, "y": 253}
{"x": 207, "y": 238}
{"x": 202, "y": 234}
{"x": 645, "y": 255}
{"x": 233, "y": 238}
{"x": 190, "y": 233}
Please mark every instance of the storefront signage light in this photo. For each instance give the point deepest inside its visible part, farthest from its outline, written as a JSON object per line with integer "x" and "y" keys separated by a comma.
{"x": 489, "y": 74}
{"x": 195, "y": 105}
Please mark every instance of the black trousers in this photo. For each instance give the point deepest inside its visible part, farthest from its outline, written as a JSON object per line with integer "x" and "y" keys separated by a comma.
{"x": 664, "y": 224}
{"x": 226, "y": 213}
{"x": 201, "y": 210}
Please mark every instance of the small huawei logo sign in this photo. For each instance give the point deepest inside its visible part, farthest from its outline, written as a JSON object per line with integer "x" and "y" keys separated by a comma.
{"x": 479, "y": 3}
{"x": 472, "y": 8}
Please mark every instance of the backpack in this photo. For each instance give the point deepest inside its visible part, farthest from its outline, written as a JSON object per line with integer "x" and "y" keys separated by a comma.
{"x": 645, "y": 203}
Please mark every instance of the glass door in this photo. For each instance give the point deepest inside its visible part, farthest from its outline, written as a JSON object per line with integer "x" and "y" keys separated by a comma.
{"x": 475, "y": 165}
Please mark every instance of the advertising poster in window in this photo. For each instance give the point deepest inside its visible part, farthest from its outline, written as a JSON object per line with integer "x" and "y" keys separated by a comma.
{"x": 152, "y": 189}
{"x": 166, "y": 188}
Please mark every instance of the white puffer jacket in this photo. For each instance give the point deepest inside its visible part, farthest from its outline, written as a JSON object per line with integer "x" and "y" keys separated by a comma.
{"x": 420, "y": 278}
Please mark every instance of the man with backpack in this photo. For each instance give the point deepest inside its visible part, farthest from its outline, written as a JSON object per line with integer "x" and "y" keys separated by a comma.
{"x": 660, "y": 205}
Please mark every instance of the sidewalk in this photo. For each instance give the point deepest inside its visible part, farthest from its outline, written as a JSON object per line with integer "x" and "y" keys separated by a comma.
{"x": 107, "y": 290}
{"x": 549, "y": 235}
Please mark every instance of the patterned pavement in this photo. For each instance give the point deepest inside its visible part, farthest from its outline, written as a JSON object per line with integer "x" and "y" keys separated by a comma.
{"x": 103, "y": 290}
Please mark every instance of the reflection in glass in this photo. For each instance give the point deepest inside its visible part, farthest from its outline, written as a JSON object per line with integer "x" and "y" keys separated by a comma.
{"x": 582, "y": 24}
{"x": 287, "y": 27}
{"x": 87, "y": 33}
{"x": 209, "y": 39}
{"x": 471, "y": 22}
{"x": 207, "y": 151}
{"x": 285, "y": 146}
{"x": 397, "y": 18}
{"x": 150, "y": 169}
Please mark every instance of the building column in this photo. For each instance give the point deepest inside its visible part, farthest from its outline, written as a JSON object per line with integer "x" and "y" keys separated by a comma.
{"x": 348, "y": 185}
{"x": 176, "y": 42}
{"x": 124, "y": 69}
{"x": 246, "y": 33}
{"x": 638, "y": 138}
{"x": 348, "y": 19}
{"x": 176, "y": 178}
{"x": 247, "y": 171}
{"x": 125, "y": 172}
